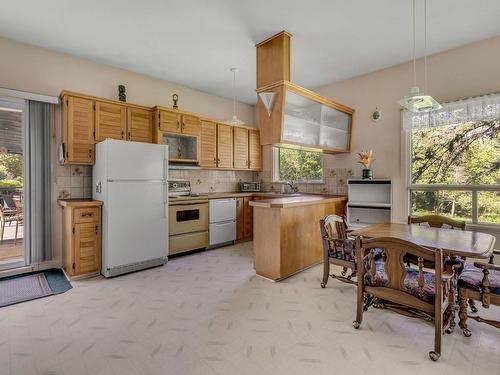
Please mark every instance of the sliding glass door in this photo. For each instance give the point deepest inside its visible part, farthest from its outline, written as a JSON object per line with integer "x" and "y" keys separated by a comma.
{"x": 13, "y": 249}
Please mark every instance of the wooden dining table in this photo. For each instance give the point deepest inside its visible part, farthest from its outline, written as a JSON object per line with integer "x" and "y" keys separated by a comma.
{"x": 462, "y": 243}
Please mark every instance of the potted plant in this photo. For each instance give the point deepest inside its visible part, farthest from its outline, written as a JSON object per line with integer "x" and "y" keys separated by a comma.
{"x": 366, "y": 159}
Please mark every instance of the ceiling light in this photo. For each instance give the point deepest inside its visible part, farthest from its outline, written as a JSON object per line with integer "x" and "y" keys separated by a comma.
{"x": 234, "y": 120}
{"x": 416, "y": 101}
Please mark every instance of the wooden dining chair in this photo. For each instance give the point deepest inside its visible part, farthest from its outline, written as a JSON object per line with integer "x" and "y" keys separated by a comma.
{"x": 407, "y": 290}
{"x": 437, "y": 221}
{"x": 338, "y": 249}
{"x": 19, "y": 217}
{"x": 481, "y": 282}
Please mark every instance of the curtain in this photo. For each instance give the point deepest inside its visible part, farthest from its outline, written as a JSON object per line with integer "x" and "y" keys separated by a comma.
{"x": 480, "y": 108}
{"x": 37, "y": 181}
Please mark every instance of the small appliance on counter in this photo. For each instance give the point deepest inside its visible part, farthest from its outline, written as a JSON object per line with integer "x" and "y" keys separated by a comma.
{"x": 188, "y": 218}
{"x": 249, "y": 186}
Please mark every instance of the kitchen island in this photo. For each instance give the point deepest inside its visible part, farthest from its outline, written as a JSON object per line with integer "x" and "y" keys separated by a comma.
{"x": 286, "y": 232}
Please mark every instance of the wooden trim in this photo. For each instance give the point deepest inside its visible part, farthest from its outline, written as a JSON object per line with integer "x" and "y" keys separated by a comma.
{"x": 284, "y": 32}
{"x": 105, "y": 100}
{"x": 308, "y": 93}
{"x": 79, "y": 203}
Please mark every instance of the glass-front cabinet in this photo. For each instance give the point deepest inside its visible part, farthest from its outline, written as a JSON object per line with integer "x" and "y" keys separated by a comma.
{"x": 301, "y": 117}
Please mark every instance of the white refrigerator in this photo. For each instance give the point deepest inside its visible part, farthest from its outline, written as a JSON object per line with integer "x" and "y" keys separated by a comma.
{"x": 131, "y": 179}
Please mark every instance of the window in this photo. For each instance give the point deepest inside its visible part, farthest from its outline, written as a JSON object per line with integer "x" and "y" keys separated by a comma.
{"x": 455, "y": 165}
{"x": 297, "y": 165}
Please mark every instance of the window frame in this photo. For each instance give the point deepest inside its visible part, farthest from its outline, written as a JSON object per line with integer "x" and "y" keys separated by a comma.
{"x": 409, "y": 186}
{"x": 276, "y": 168}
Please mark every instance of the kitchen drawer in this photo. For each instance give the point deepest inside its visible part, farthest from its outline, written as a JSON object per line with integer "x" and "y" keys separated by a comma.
{"x": 222, "y": 210}
{"x": 86, "y": 215}
{"x": 185, "y": 242}
{"x": 222, "y": 232}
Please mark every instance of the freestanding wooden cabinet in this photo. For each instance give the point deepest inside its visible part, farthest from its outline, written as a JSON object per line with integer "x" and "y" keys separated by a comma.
{"x": 81, "y": 237}
{"x": 78, "y": 130}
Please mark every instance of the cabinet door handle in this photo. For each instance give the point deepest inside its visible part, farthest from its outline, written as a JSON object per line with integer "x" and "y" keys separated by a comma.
{"x": 87, "y": 215}
{"x": 129, "y": 136}
{"x": 178, "y": 125}
{"x": 123, "y": 134}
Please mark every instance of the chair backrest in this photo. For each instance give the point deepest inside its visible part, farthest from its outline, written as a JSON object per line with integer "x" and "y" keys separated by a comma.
{"x": 334, "y": 226}
{"x": 395, "y": 251}
{"x": 8, "y": 202}
{"x": 2, "y": 215}
{"x": 437, "y": 221}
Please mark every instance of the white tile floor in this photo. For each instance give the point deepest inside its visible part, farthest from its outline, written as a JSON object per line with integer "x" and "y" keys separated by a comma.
{"x": 209, "y": 314}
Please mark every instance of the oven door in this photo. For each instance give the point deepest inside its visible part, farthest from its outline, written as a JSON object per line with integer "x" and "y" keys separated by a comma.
{"x": 187, "y": 218}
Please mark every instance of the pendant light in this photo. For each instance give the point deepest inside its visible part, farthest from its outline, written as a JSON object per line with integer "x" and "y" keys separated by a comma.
{"x": 416, "y": 101}
{"x": 234, "y": 120}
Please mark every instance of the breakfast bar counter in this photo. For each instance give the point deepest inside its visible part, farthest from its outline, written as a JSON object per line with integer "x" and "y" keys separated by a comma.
{"x": 287, "y": 236}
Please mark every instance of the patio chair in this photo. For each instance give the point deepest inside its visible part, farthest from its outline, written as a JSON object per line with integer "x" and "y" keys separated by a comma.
{"x": 6, "y": 218}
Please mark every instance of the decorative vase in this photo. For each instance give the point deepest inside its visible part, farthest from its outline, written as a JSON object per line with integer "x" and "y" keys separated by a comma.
{"x": 122, "y": 95}
{"x": 367, "y": 174}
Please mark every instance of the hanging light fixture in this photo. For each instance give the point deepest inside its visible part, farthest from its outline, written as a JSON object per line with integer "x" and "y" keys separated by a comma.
{"x": 234, "y": 120}
{"x": 417, "y": 101}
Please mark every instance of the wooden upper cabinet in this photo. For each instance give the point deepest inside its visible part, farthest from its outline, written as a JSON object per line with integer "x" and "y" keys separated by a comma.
{"x": 169, "y": 122}
{"x": 302, "y": 117}
{"x": 110, "y": 121}
{"x": 254, "y": 150}
{"x": 78, "y": 130}
{"x": 208, "y": 144}
{"x": 240, "y": 148}
{"x": 139, "y": 125}
{"x": 224, "y": 146}
{"x": 190, "y": 125}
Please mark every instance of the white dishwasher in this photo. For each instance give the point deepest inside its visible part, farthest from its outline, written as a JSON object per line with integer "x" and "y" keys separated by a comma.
{"x": 222, "y": 221}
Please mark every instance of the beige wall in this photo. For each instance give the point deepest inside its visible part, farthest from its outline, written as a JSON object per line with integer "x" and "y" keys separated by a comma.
{"x": 462, "y": 72}
{"x": 33, "y": 69}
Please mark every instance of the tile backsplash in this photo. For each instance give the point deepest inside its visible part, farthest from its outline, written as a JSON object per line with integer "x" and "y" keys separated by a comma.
{"x": 210, "y": 181}
{"x": 75, "y": 181}
{"x": 335, "y": 182}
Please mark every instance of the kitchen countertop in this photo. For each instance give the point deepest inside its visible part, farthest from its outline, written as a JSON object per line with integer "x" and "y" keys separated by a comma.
{"x": 297, "y": 200}
{"x": 78, "y": 202}
{"x": 270, "y": 199}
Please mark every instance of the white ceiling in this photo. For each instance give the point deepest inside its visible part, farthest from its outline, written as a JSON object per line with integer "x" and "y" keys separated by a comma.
{"x": 195, "y": 42}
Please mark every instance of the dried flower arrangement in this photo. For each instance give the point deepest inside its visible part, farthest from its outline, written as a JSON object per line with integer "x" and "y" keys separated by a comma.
{"x": 366, "y": 158}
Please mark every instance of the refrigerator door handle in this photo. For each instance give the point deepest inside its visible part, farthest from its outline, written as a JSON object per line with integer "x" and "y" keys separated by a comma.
{"x": 165, "y": 169}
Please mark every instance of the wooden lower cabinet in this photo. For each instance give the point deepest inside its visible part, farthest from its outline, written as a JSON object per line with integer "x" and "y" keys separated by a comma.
{"x": 248, "y": 217}
{"x": 81, "y": 237}
{"x": 240, "y": 217}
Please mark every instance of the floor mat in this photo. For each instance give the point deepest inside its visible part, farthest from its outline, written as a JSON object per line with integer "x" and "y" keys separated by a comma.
{"x": 57, "y": 281}
{"x": 23, "y": 288}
